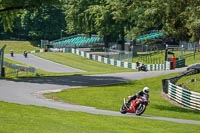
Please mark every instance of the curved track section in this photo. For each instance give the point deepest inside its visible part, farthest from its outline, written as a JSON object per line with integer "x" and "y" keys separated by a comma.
{"x": 43, "y": 64}
{"x": 29, "y": 91}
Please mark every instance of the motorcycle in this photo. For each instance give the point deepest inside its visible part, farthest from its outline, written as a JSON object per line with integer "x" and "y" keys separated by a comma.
{"x": 25, "y": 54}
{"x": 11, "y": 53}
{"x": 142, "y": 68}
{"x": 137, "y": 106}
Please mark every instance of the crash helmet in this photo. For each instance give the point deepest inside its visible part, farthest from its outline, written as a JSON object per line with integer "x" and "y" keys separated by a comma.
{"x": 146, "y": 90}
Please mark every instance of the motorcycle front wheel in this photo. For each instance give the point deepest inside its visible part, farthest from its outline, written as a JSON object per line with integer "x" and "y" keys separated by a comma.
{"x": 123, "y": 109}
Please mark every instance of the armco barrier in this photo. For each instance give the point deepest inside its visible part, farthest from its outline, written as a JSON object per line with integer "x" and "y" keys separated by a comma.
{"x": 118, "y": 63}
{"x": 150, "y": 67}
{"x": 183, "y": 96}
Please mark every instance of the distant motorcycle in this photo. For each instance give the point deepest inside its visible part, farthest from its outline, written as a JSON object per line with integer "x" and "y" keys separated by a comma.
{"x": 142, "y": 68}
{"x": 12, "y": 54}
{"x": 25, "y": 54}
{"x": 137, "y": 106}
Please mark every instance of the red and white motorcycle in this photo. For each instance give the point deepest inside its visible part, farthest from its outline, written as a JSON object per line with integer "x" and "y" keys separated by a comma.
{"x": 137, "y": 106}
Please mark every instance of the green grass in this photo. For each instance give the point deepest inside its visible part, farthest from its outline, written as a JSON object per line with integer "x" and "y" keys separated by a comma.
{"x": 22, "y": 119}
{"x": 92, "y": 67}
{"x": 12, "y": 74}
{"x": 187, "y": 83}
{"x": 75, "y": 61}
{"x": 16, "y": 118}
{"x": 17, "y": 46}
{"x": 160, "y": 56}
{"x": 110, "y": 98}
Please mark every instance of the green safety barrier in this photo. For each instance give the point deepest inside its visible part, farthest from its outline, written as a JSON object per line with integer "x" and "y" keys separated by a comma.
{"x": 150, "y": 67}
{"x": 183, "y": 96}
{"x": 180, "y": 63}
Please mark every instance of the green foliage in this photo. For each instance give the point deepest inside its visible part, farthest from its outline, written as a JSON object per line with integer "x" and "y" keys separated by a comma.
{"x": 112, "y": 18}
{"x": 191, "y": 82}
{"x": 133, "y": 17}
{"x": 46, "y": 22}
{"x": 111, "y": 97}
{"x": 23, "y": 118}
{"x": 91, "y": 67}
{"x": 17, "y": 46}
{"x": 10, "y": 8}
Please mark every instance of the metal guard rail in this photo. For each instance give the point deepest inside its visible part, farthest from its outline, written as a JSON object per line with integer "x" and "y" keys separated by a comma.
{"x": 184, "y": 96}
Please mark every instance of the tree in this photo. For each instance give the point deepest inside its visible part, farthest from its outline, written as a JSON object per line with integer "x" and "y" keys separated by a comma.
{"x": 104, "y": 17}
{"x": 9, "y": 9}
{"x": 174, "y": 18}
{"x": 46, "y": 22}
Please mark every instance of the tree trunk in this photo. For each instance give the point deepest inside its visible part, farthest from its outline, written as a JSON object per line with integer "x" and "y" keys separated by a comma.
{"x": 122, "y": 39}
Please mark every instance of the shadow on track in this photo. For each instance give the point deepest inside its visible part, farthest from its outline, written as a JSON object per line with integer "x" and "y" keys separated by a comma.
{"x": 74, "y": 80}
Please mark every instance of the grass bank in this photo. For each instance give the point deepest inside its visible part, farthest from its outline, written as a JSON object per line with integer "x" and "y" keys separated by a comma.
{"x": 110, "y": 98}
{"x": 75, "y": 61}
{"x": 18, "y": 46}
{"x": 30, "y": 119}
{"x": 191, "y": 82}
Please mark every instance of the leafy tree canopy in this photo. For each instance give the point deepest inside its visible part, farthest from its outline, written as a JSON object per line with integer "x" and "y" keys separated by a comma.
{"x": 178, "y": 18}
{"x": 9, "y": 9}
{"x": 112, "y": 18}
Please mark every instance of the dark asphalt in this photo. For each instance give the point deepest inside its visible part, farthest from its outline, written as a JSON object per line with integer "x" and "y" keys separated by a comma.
{"x": 29, "y": 91}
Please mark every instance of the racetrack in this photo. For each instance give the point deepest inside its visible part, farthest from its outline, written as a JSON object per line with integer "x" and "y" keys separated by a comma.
{"x": 43, "y": 64}
{"x": 29, "y": 91}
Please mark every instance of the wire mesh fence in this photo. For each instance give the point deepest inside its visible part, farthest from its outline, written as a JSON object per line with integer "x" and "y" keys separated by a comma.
{"x": 17, "y": 69}
{"x": 119, "y": 55}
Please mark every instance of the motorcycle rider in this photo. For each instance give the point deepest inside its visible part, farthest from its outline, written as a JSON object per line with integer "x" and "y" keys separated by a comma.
{"x": 25, "y": 53}
{"x": 144, "y": 92}
{"x": 12, "y": 53}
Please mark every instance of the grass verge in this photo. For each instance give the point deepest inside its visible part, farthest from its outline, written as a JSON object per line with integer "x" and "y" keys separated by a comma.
{"x": 190, "y": 82}
{"x": 30, "y": 119}
{"x": 110, "y": 98}
{"x": 18, "y": 46}
{"x": 75, "y": 61}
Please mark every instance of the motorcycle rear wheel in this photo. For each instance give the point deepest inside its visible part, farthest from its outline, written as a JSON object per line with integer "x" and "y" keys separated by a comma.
{"x": 140, "y": 109}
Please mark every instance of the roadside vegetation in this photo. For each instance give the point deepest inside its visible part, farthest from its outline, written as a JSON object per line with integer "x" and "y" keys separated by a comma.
{"x": 18, "y": 46}
{"x": 111, "y": 98}
{"x": 22, "y": 118}
{"x": 115, "y": 20}
{"x": 31, "y": 119}
{"x": 191, "y": 82}
{"x": 90, "y": 66}
{"x": 159, "y": 57}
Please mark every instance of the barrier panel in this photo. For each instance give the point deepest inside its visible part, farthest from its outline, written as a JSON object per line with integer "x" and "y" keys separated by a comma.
{"x": 181, "y": 95}
{"x": 184, "y": 97}
{"x": 180, "y": 63}
{"x": 118, "y": 63}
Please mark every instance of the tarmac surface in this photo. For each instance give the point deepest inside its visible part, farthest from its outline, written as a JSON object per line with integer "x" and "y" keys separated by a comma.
{"x": 29, "y": 91}
{"x": 43, "y": 64}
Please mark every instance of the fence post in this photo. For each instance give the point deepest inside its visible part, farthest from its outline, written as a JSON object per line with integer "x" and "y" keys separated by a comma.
{"x": 165, "y": 83}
